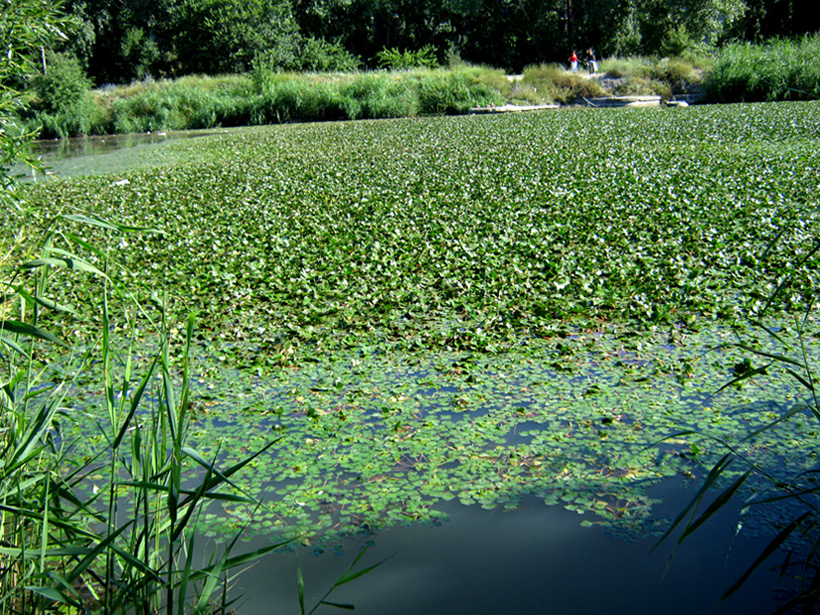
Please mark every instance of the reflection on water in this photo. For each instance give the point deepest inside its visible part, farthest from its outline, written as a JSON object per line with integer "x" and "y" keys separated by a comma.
{"x": 108, "y": 154}
{"x": 62, "y": 149}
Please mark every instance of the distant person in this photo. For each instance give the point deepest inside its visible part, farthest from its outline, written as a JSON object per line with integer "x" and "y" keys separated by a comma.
{"x": 592, "y": 63}
{"x": 573, "y": 62}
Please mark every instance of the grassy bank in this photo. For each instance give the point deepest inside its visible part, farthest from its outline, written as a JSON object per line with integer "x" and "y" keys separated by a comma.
{"x": 264, "y": 97}
{"x": 778, "y": 70}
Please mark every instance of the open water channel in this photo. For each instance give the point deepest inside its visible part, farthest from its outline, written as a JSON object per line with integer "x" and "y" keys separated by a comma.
{"x": 532, "y": 559}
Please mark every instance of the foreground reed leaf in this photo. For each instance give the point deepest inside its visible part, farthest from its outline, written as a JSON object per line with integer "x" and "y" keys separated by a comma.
{"x": 22, "y": 328}
{"x": 692, "y": 507}
{"x": 110, "y": 224}
{"x": 52, "y": 594}
{"x": 771, "y": 548}
{"x": 721, "y": 500}
{"x": 68, "y": 262}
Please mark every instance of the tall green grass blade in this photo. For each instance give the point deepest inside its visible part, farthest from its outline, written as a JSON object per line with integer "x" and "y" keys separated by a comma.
{"x": 771, "y": 355}
{"x": 94, "y": 220}
{"x": 190, "y": 505}
{"x": 787, "y": 279}
{"x": 135, "y": 402}
{"x": 340, "y": 605}
{"x": 346, "y": 577}
{"x": 796, "y": 409}
{"x": 31, "y": 440}
{"x": 771, "y": 548}
{"x": 69, "y": 262}
{"x": 241, "y": 559}
{"x": 15, "y": 347}
{"x": 186, "y": 575}
{"x": 20, "y": 552}
{"x": 719, "y": 502}
{"x": 210, "y": 495}
{"x": 46, "y": 303}
{"x": 52, "y": 594}
{"x": 22, "y": 328}
{"x": 300, "y": 588}
{"x": 219, "y": 477}
{"x": 711, "y": 478}
{"x": 349, "y": 576}
{"x": 203, "y": 606}
{"x": 751, "y": 373}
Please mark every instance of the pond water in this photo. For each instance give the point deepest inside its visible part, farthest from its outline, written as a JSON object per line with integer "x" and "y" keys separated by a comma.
{"x": 536, "y": 559}
{"x": 528, "y": 557}
{"x": 108, "y": 154}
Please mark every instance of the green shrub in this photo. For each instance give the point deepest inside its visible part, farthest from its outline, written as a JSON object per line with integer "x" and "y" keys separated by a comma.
{"x": 319, "y": 55}
{"x": 139, "y": 53}
{"x": 655, "y": 75}
{"x": 62, "y": 85}
{"x": 395, "y": 59}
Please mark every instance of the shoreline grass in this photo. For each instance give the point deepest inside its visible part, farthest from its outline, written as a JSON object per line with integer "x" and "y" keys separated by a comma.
{"x": 777, "y": 70}
{"x": 780, "y": 69}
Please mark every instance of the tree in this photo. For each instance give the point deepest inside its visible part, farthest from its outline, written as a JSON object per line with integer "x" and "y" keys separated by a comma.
{"x": 221, "y": 36}
{"x": 655, "y": 27}
{"x": 767, "y": 18}
{"x": 27, "y": 29}
{"x": 511, "y": 33}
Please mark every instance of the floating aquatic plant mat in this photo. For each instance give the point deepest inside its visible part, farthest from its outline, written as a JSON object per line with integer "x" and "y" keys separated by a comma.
{"x": 373, "y": 437}
{"x": 473, "y": 308}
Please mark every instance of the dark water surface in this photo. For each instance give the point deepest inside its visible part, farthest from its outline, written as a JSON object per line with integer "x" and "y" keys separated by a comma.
{"x": 537, "y": 559}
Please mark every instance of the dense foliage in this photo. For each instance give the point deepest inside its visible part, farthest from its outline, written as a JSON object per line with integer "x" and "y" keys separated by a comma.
{"x": 470, "y": 231}
{"x": 778, "y": 70}
{"x": 125, "y": 40}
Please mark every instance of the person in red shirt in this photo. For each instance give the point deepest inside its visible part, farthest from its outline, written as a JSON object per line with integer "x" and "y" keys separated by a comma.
{"x": 573, "y": 62}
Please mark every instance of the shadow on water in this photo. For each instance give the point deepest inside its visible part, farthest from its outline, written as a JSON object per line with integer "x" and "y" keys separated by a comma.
{"x": 536, "y": 559}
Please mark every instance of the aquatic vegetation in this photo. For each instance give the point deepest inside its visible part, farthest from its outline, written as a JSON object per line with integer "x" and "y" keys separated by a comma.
{"x": 469, "y": 232}
{"x": 469, "y": 308}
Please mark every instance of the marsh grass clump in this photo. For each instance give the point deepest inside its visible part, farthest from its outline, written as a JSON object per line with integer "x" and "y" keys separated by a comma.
{"x": 554, "y": 84}
{"x": 125, "y": 546}
{"x": 655, "y": 76}
{"x": 780, "y": 69}
{"x": 266, "y": 96}
{"x": 450, "y": 92}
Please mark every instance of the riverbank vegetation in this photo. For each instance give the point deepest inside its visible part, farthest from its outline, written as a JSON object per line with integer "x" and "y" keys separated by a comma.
{"x": 61, "y": 104}
{"x": 187, "y": 65}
